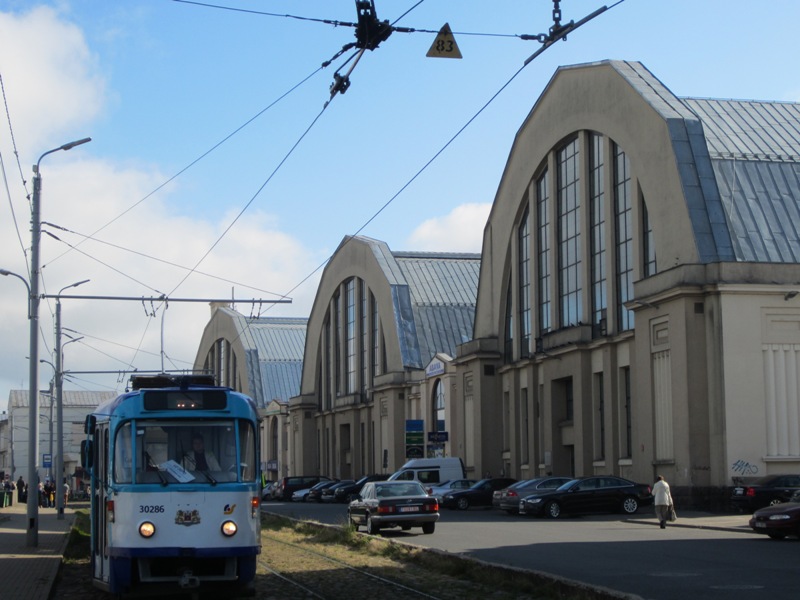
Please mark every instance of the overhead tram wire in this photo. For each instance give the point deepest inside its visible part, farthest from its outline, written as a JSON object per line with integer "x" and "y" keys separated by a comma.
{"x": 160, "y": 260}
{"x": 21, "y": 175}
{"x": 198, "y": 159}
{"x": 557, "y": 33}
{"x": 336, "y": 23}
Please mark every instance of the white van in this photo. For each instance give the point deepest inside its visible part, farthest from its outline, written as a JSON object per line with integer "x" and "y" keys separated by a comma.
{"x": 430, "y": 471}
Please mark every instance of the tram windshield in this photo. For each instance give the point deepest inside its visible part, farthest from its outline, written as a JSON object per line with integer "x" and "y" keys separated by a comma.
{"x": 173, "y": 452}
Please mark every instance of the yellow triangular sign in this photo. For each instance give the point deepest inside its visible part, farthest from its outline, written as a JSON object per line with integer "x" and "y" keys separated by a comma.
{"x": 444, "y": 46}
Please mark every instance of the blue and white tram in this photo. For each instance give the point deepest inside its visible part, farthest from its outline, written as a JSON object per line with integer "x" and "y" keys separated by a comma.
{"x": 162, "y": 518}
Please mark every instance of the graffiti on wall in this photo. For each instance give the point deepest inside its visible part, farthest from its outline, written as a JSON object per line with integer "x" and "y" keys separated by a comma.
{"x": 742, "y": 467}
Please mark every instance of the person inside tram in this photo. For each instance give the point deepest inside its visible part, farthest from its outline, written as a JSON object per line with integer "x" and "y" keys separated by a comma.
{"x": 198, "y": 458}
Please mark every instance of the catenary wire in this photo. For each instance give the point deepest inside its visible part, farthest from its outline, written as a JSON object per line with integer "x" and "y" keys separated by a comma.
{"x": 429, "y": 162}
{"x": 198, "y": 159}
{"x": 19, "y": 167}
{"x": 161, "y": 260}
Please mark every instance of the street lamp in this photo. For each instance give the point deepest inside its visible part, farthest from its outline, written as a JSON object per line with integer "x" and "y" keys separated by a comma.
{"x": 60, "y": 399}
{"x": 32, "y": 536}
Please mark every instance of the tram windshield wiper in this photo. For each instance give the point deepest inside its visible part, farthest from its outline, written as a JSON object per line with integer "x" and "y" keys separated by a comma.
{"x": 209, "y": 477}
{"x": 152, "y": 465}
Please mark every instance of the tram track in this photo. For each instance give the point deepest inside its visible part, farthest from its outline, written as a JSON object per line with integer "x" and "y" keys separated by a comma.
{"x": 300, "y": 571}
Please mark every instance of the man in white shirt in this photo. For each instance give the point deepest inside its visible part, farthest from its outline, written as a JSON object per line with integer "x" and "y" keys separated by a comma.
{"x": 662, "y": 501}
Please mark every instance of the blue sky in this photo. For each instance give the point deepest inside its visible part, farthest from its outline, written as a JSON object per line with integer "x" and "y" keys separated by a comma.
{"x": 159, "y": 83}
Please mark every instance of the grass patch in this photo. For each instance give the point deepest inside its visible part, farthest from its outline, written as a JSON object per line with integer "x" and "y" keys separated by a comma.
{"x": 79, "y": 542}
{"x": 506, "y": 582}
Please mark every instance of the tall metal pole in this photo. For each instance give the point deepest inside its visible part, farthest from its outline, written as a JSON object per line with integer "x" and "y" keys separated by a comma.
{"x": 32, "y": 535}
{"x": 60, "y": 401}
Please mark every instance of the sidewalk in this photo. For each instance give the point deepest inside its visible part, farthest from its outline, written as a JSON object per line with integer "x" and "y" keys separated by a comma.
{"x": 28, "y": 573}
{"x": 699, "y": 520}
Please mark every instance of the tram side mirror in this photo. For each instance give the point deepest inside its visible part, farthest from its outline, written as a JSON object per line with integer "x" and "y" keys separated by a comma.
{"x": 89, "y": 424}
{"x": 87, "y": 454}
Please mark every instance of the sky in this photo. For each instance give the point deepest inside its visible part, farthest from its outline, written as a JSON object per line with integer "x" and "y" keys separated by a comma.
{"x": 220, "y": 167}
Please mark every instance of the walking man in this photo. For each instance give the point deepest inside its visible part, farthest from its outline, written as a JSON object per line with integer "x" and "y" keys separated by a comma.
{"x": 663, "y": 501}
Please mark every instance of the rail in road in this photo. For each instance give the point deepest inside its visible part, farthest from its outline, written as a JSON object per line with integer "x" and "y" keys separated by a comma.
{"x": 715, "y": 557}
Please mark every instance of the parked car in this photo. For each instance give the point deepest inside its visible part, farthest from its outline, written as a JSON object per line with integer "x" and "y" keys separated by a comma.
{"x": 440, "y": 489}
{"x": 300, "y": 495}
{"x": 765, "y": 491}
{"x": 289, "y": 485}
{"x": 346, "y": 493}
{"x": 508, "y": 498}
{"x": 382, "y": 504}
{"x": 779, "y": 520}
{"x": 266, "y": 491}
{"x": 480, "y": 494}
{"x": 328, "y": 493}
{"x": 315, "y": 493}
{"x": 597, "y": 494}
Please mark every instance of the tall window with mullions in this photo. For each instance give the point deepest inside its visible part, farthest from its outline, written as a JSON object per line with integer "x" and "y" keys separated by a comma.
{"x": 598, "y": 236}
{"x": 623, "y": 209}
{"x": 523, "y": 277}
{"x": 543, "y": 250}
{"x": 569, "y": 236}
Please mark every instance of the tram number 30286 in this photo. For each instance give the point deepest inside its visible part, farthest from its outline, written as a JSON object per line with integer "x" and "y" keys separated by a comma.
{"x": 158, "y": 508}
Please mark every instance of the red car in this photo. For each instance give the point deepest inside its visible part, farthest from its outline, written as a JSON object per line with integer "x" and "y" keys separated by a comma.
{"x": 779, "y": 520}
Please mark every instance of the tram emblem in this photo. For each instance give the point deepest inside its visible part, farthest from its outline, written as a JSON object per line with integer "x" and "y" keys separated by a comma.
{"x": 187, "y": 517}
{"x": 228, "y": 510}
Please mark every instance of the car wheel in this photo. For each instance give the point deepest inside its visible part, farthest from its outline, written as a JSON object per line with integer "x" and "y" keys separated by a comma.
{"x": 630, "y": 505}
{"x": 776, "y": 536}
{"x": 775, "y": 501}
{"x": 428, "y": 528}
{"x": 463, "y": 503}
{"x": 372, "y": 526}
{"x": 553, "y": 510}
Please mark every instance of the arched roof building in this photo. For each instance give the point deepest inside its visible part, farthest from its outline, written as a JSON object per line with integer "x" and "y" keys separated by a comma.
{"x": 380, "y": 318}
{"x": 262, "y": 357}
{"x": 635, "y": 311}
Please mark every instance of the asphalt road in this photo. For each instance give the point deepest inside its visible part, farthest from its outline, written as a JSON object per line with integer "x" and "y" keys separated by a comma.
{"x": 631, "y": 555}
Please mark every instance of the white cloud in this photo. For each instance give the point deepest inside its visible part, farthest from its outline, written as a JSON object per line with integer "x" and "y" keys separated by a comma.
{"x": 50, "y": 77}
{"x": 461, "y": 230}
{"x": 54, "y": 89}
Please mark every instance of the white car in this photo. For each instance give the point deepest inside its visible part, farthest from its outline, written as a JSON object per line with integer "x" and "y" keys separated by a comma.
{"x": 300, "y": 495}
{"x": 440, "y": 489}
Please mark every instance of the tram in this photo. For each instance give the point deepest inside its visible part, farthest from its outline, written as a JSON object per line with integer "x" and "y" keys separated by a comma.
{"x": 175, "y": 481}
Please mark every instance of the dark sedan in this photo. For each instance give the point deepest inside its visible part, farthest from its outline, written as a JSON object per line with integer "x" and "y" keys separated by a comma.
{"x": 779, "y": 520}
{"x": 596, "y": 494}
{"x": 508, "y": 498}
{"x": 328, "y": 494}
{"x": 346, "y": 493}
{"x": 480, "y": 494}
{"x": 403, "y": 504}
{"x": 315, "y": 493}
{"x": 765, "y": 491}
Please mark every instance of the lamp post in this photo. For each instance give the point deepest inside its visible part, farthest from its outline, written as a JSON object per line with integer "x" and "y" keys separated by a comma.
{"x": 32, "y": 536}
{"x": 60, "y": 400}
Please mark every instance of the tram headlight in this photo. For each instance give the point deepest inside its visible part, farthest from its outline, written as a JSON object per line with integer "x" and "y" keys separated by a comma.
{"x": 147, "y": 529}
{"x": 229, "y": 528}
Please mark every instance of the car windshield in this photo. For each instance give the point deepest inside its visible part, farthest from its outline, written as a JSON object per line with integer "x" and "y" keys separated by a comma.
{"x": 568, "y": 485}
{"x": 479, "y": 485}
{"x": 408, "y": 489}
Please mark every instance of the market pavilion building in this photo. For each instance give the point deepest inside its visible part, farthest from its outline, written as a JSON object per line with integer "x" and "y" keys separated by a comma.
{"x": 635, "y": 309}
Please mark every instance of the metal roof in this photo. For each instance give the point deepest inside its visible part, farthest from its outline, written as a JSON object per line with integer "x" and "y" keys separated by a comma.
{"x": 739, "y": 162}
{"x": 433, "y": 295}
{"x": 279, "y": 346}
{"x": 79, "y": 398}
